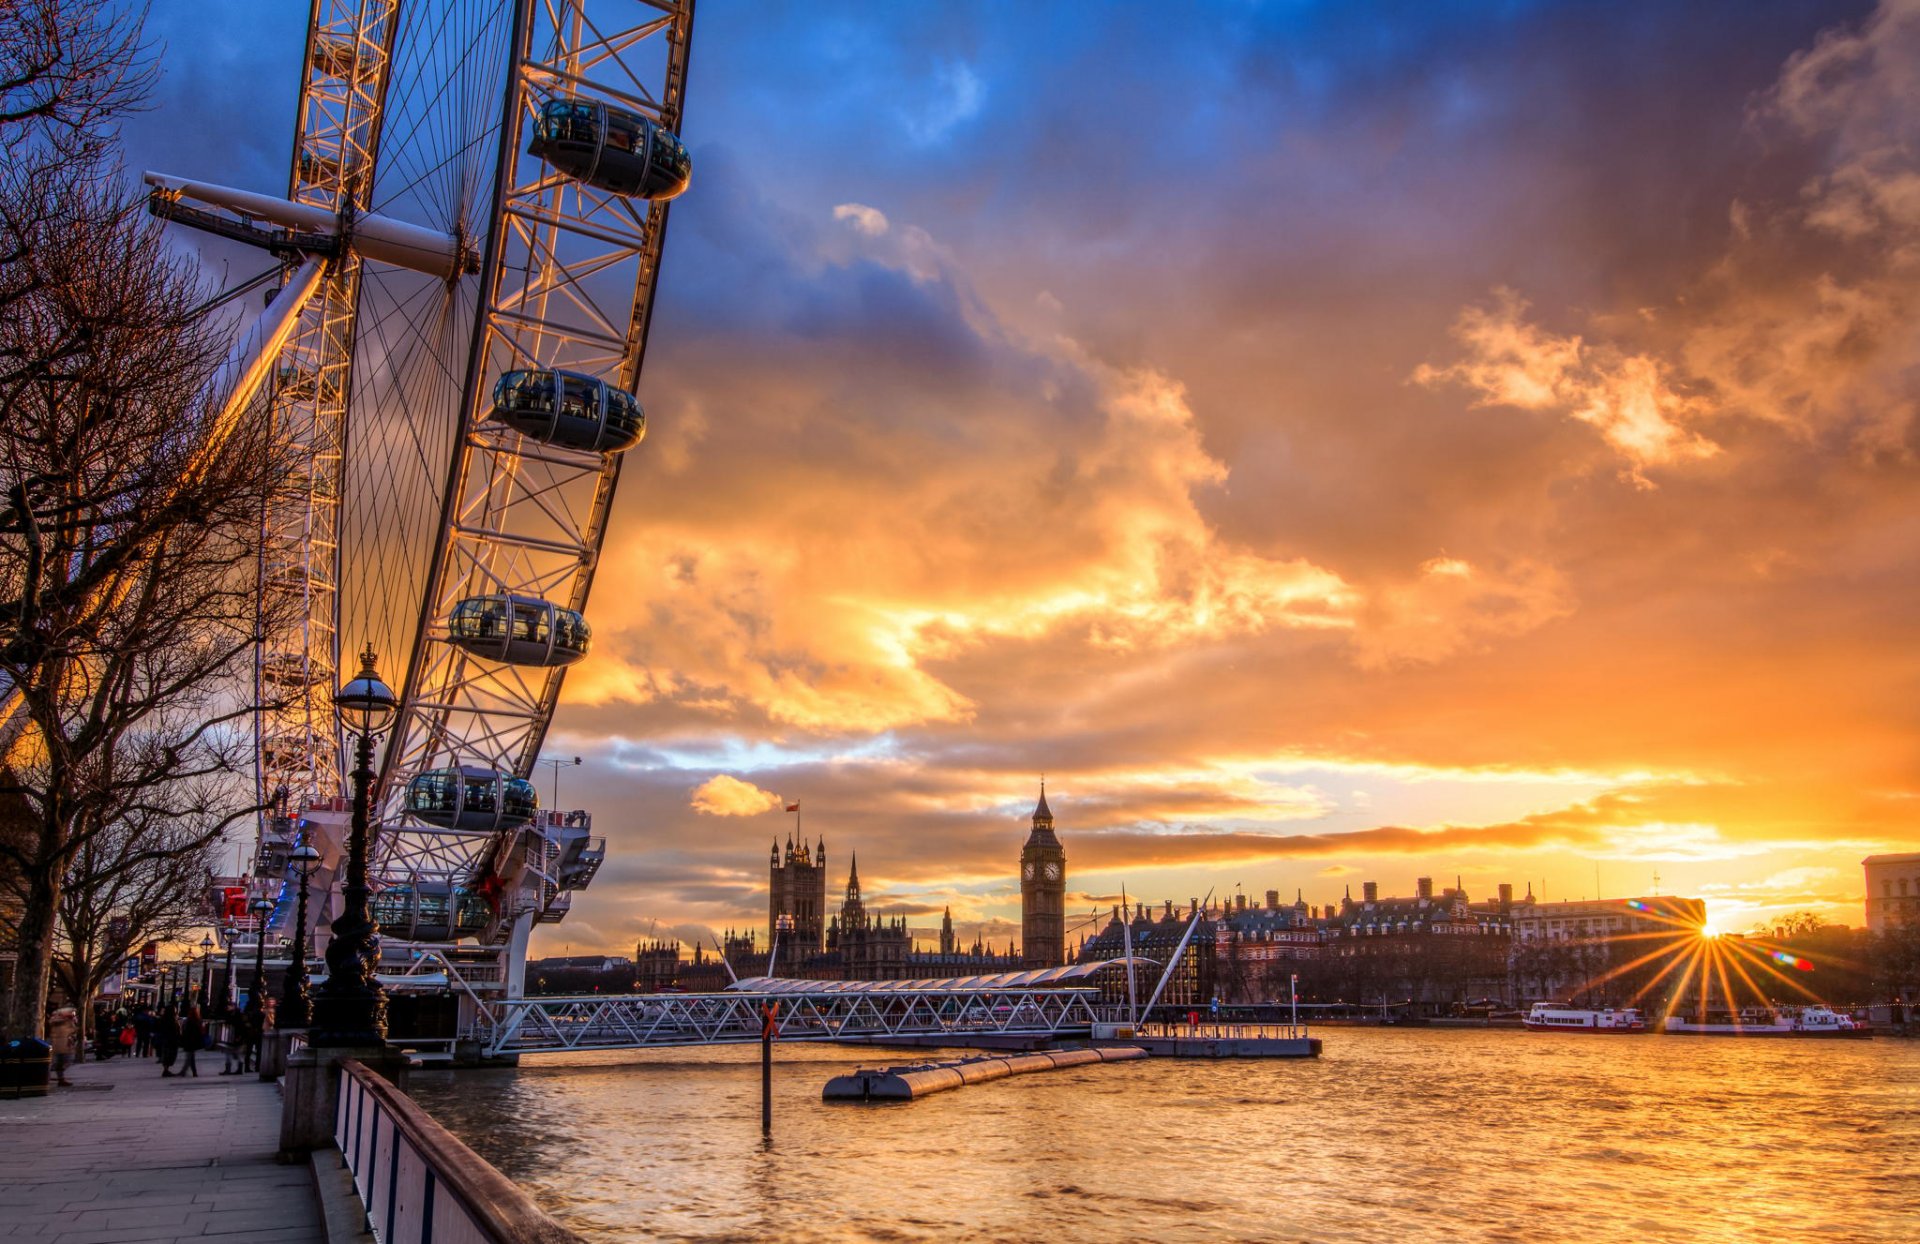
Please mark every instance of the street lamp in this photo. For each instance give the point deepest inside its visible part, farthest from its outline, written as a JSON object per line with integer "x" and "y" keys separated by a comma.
{"x": 206, "y": 969}
{"x": 257, "y": 991}
{"x": 296, "y": 1006}
{"x": 351, "y": 1010}
{"x": 232, "y": 934}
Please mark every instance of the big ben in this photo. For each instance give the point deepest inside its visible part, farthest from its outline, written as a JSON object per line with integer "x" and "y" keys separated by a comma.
{"x": 1043, "y": 892}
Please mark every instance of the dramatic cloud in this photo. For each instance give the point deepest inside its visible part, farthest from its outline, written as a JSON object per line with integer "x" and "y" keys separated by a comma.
{"x": 1482, "y": 443}
{"x": 1628, "y": 398}
{"x": 725, "y": 795}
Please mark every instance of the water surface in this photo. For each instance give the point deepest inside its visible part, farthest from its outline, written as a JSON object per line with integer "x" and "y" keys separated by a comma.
{"x": 1393, "y": 1135}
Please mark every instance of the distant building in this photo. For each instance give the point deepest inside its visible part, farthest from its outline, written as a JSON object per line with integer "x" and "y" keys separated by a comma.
{"x": 870, "y": 948}
{"x": 797, "y": 887}
{"x": 1608, "y": 917}
{"x": 1606, "y": 951}
{"x": 1152, "y": 944}
{"x": 1893, "y": 890}
{"x": 1043, "y": 892}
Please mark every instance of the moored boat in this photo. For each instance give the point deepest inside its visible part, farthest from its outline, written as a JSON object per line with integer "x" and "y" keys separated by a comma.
{"x": 1805, "y": 1021}
{"x": 1559, "y": 1017}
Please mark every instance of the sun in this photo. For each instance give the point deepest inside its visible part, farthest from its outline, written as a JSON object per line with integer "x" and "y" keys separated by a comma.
{"x": 1709, "y": 930}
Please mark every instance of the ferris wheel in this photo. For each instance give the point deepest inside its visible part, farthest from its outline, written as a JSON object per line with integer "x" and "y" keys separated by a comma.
{"x": 471, "y": 239}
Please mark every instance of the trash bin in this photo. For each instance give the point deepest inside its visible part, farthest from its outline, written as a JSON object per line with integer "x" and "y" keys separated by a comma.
{"x": 25, "y": 1064}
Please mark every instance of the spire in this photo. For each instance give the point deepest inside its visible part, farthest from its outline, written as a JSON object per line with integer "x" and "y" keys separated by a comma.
{"x": 1042, "y": 814}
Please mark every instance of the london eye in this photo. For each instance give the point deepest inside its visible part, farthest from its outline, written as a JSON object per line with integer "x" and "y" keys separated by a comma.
{"x": 469, "y": 247}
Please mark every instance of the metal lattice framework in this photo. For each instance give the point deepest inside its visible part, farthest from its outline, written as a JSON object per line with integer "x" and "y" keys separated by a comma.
{"x": 567, "y": 280}
{"x": 642, "y": 1021}
{"x": 336, "y": 144}
{"x": 428, "y": 250}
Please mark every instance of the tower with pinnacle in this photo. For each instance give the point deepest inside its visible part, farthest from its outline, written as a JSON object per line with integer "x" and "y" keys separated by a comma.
{"x": 1043, "y": 892}
{"x": 797, "y": 887}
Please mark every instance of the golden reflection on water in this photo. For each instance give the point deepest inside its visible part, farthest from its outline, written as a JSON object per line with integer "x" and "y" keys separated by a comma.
{"x": 1393, "y": 1135}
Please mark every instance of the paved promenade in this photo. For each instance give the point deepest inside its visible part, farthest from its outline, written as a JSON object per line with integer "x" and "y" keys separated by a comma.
{"x": 151, "y": 1160}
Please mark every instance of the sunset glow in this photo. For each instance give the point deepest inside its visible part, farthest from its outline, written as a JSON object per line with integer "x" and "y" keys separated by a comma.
{"x": 1483, "y": 448}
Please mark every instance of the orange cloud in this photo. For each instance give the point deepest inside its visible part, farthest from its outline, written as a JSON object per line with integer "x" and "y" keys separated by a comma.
{"x": 1629, "y": 398}
{"x": 725, "y": 795}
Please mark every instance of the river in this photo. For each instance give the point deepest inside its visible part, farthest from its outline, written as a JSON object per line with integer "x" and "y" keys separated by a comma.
{"x": 1392, "y": 1135}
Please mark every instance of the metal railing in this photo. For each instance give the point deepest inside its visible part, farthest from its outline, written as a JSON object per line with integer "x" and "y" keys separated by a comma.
{"x": 418, "y": 1183}
{"x": 640, "y": 1021}
{"x": 1206, "y": 1030}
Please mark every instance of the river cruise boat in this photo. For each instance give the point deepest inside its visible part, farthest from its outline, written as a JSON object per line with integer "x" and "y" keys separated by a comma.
{"x": 1806, "y": 1021}
{"x": 1556, "y": 1017}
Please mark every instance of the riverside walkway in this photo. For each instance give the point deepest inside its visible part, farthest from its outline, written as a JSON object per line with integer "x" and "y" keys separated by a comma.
{"x": 148, "y": 1160}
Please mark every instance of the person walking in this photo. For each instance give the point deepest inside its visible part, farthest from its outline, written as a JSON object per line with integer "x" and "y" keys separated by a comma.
{"x": 193, "y": 1038}
{"x": 126, "y": 1039}
{"x": 142, "y": 1030}
{"x": 63, "y": 1026}
{"x": 233, "y": 1045}
{"x": 256, "y": 1031}
{"x": 166, "y": 1039}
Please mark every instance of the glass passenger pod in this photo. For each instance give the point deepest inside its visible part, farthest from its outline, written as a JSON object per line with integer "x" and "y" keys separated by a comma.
{"x": 570, "y": 410}
{"x": 473, "y": 799}
{"x": 611, "y": 148}
{"x": 431, "y": 911}
{"x": 519, "y": 630}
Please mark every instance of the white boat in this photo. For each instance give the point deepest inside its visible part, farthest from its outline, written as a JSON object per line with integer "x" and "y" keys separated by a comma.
{"x": 1806, "y": 1021}
{"x": 1558, "y": 1017}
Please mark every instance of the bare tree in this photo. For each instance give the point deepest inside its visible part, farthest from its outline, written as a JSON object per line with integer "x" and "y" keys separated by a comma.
{"x": 128, "y": 518}
{"x": 143, "y": 878}
{"x": 67, "y": 69}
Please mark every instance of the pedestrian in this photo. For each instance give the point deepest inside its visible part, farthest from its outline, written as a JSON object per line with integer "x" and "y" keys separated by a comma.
{"x": 166, "y": 1039}
{"x": 142, "y": 1030}
{"x": 193, "y": 1038}
{"x": 126, "y": 1040}
{"x": 259, "y": 1018}
{"x": 63, "y": 1026}
{"x": 234, "y": 1044}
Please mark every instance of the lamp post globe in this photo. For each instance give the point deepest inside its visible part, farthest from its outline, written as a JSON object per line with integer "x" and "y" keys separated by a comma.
{"x": 257, "y": 991}
{"x": 350, "y": 1009}
{"x": 296, "y": 1003}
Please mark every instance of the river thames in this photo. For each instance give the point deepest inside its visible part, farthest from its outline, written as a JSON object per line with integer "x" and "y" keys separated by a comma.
{"x": 1393, "y": 1135}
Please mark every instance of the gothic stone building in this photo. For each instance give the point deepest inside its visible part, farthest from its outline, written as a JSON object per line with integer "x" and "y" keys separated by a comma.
{"x": 797, "y": 887}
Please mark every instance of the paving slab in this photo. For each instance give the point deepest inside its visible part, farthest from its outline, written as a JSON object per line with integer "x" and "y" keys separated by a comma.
{"x": 135, "y": 1158}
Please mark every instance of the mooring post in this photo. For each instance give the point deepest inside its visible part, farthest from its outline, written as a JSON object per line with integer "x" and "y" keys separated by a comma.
{"x": 769, "y": 1029}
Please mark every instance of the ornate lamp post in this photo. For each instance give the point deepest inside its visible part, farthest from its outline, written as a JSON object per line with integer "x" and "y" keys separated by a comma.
{"x": 231, "y": 933}
{"x": 351, "y": 1009}
{"x": 257, "y": 991}
{"x": 206, "y": 968}
{"x": 296, "y": 1005}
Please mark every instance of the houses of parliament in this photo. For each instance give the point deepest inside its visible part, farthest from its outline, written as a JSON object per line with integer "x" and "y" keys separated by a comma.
{"x": 855, "y": 944}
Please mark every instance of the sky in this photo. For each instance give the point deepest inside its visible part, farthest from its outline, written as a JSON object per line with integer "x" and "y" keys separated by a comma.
{"x": 1330, "y": 442}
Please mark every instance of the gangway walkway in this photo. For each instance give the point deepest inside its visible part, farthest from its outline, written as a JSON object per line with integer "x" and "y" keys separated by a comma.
{"x": 1037, "y": 1005}
{"x": 646, "y": 1021}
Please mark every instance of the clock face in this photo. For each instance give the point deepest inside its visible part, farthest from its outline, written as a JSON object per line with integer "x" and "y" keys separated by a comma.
{"x": 1053, "y": 872}
{"x": 1026, "y": 870}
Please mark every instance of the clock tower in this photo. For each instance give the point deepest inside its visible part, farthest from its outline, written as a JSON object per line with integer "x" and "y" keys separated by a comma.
{"x": 1043, "y": 892}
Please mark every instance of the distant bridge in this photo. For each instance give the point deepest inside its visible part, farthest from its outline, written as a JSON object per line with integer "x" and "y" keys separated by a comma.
{"x": 988, "y": 1010}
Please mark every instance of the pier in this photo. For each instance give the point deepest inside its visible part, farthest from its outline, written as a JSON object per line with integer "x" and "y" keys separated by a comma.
{"x": 910, "y": 1083}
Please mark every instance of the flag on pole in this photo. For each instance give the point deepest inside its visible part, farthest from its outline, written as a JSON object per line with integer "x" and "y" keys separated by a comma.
{"x": 793, "y": 807}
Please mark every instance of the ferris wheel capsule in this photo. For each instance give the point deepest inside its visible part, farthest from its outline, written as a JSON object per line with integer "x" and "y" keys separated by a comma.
{"x": 472, "y": 799}
{"x": 519, "y": 630}
{"x": 569, "y": 409}
{"x": 611, "y": 148}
